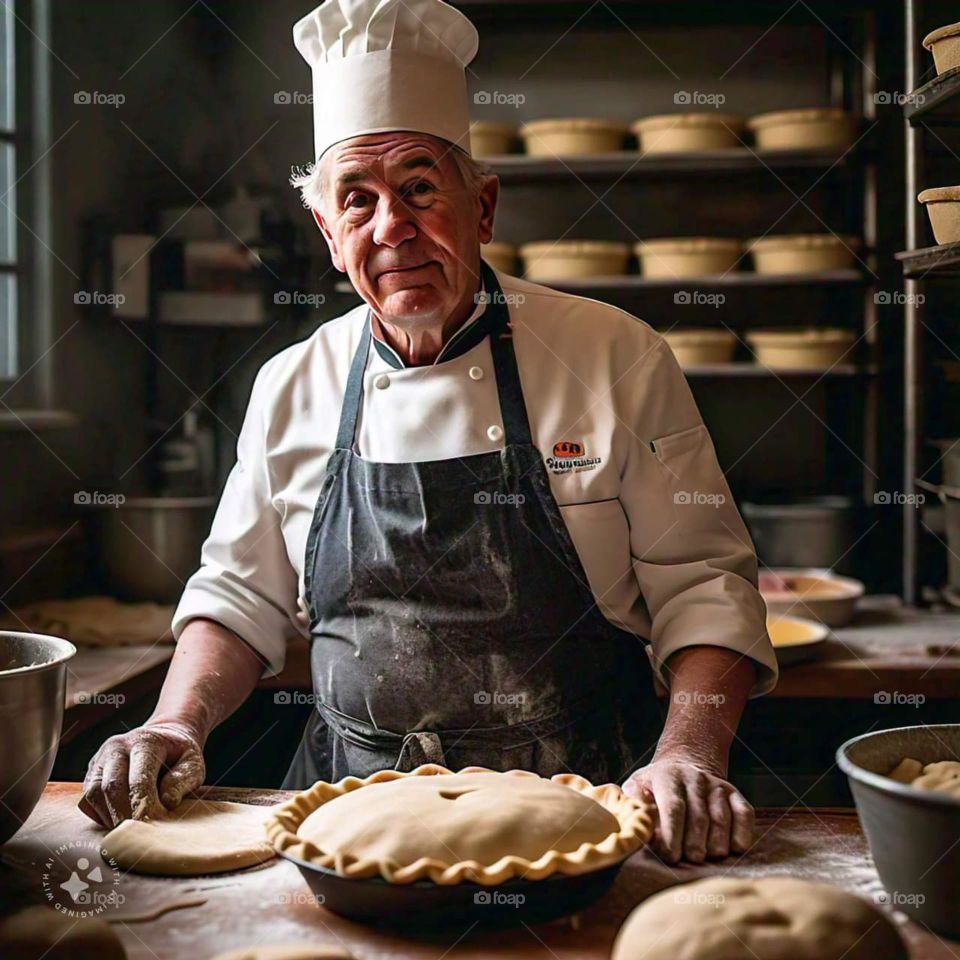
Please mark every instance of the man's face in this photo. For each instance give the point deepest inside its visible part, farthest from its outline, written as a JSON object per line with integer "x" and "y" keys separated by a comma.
{"x": 403, "y": 225}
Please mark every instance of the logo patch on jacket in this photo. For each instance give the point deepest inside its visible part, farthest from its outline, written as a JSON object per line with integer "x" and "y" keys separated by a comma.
{"x": 570, "y": 456}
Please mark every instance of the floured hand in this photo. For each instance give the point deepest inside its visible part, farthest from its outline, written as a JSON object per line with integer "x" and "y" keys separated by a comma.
{"x": 122, "y": 778}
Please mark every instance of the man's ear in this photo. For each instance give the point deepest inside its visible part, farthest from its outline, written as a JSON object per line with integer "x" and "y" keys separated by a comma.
{"x": 489, "y": 194}
{"x": 331, "y": 241}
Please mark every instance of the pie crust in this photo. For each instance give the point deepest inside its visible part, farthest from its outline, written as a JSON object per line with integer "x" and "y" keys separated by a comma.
{"x": 574, "y": 259}
{"x": 631, "y": 828}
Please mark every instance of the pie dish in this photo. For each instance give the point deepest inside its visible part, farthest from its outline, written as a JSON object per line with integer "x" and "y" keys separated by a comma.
{"x": 688, "y": 132}
{"x": 476, "y": 826}
{"x": 501, "y": 256}
{"x": 943, "y": 209}
{"x": 574, "y": 259}
{"x": 687, "y": 256}
{"x": 801, "y": 252}
{"x": 805, "y": 129}
{"x": 806, "y": 349}
{"x": 944, "y": 44}
{"x": 701, "y": 346}
{"x": 572, "y": 136}
{"x": 490, "y": 139}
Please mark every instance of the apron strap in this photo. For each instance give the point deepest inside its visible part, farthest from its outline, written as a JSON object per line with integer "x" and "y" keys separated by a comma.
{"x": 513, "y": 410}
{"x": 354, "y": 391}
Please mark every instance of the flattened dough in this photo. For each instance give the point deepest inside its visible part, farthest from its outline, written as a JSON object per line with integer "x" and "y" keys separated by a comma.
{"x": 770, "y": 918}
{"x": 198, "y": 837}
{"x": 42, "y": 932}
{"x": 288, "y": 951}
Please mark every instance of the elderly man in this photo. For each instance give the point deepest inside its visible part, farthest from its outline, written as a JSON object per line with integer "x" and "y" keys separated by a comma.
{"x": 491, "y": 499}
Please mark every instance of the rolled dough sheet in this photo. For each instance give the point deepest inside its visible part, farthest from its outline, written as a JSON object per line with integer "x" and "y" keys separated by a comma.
{"x": 198, "y": 837}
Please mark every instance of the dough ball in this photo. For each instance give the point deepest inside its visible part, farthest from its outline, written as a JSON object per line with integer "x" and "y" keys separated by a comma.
{"x": 943, "y": 777}
{"x": 770, "y": 918}
{"x": 288, "y": 951}
{"x": 196, "y": 838}
{"x": 906, "y": 771}
{"x": 42, "y": 932}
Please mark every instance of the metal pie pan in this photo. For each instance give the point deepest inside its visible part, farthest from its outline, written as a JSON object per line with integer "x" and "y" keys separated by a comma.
{"x": 427, "y": 904}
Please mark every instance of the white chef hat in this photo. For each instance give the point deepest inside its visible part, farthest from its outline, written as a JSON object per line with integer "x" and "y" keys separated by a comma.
{"x": 382, "y": 65}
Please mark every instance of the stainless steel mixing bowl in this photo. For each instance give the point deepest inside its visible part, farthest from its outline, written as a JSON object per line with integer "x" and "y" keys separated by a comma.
{"x": 33, "y": 676}
{"x": 914, "y": 834}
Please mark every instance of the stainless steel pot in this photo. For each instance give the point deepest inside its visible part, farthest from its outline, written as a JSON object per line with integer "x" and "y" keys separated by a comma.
{"x": 33, "y": 679}
{"x": 912, "y": 833}
{"x": 151, "y": 545}
{"x": 815, "y": 532}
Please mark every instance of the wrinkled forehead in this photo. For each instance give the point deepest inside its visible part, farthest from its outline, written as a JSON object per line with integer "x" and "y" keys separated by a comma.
{"x": 387, "y": 154}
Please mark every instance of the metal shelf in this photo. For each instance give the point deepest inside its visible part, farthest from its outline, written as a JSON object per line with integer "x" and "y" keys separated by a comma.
{"x": 630, "y": 164}
{"x": 931, "y": 263}
{"x": 758, "y": 371}
{"x": 602, "y": 286}
{"x": 936, "y": 103}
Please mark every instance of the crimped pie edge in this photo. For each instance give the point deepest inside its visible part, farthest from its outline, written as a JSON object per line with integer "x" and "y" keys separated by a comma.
{"x": 636, "y": 827}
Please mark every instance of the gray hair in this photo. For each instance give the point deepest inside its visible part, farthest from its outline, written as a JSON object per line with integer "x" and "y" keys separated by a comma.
{"x": 310, "y": 179}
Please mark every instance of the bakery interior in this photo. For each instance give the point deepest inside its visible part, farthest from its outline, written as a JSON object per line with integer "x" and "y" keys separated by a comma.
{"x": 770, "y": 185}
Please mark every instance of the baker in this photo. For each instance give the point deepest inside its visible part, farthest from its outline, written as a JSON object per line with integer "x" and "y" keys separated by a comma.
{"x": 496, "y": 503}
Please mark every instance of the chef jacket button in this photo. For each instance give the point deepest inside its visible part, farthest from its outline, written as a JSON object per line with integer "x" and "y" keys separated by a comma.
{"x": 476, "y": 373}
{"x": 381, "y": 382}
{"x": 495, "y": 433}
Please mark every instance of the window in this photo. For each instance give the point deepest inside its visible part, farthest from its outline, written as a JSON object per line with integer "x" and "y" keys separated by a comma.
{"x": 8, "y": 200}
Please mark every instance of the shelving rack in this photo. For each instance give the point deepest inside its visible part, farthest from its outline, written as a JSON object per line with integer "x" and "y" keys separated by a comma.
{"x": 852, "y": 85}
{"x": 935, "y": 103}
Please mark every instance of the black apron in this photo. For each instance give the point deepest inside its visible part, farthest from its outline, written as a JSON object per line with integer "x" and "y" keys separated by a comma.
{"x": 451, "y": 618}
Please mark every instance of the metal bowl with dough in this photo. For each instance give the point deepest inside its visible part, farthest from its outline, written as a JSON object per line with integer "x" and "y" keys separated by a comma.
{"x": 33, "y": 678}
{"x": 912, "y": 833}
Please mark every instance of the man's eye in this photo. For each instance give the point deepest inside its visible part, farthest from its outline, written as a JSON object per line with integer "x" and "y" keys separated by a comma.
{"x": 420, "y": 188}
{"x": 355, "y": 201}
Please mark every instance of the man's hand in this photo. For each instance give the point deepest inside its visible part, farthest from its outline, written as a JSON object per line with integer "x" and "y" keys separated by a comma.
{"x": 122, "y": 778}
{"x": 699, "y": 814}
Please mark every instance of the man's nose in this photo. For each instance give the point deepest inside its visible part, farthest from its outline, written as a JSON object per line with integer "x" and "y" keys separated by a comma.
{"x": 394, "y": 222}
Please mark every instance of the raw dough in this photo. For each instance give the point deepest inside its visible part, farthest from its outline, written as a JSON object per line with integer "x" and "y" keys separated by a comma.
{"x": 448, "y": 818}
{"x": 198, "y": 837}
{"x": 941, "y": 777}
{"x": 42, "y": 932}
{"x": 770, "y": 918}
{"x": 288, "y": 951}
{"x": 906, "y": 771}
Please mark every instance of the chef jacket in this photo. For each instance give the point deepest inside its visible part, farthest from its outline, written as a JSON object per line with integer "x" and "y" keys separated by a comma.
{"x": 630, "y": 463}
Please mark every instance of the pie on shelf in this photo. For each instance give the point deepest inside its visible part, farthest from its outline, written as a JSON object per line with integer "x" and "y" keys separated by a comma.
{"x": 476, "y": 826}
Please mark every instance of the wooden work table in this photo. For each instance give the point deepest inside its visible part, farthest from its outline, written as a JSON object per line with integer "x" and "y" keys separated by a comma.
{"x": 270, "y": 903}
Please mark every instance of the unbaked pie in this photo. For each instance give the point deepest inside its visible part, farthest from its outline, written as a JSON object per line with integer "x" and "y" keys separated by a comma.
{"x": 476, "y": 825}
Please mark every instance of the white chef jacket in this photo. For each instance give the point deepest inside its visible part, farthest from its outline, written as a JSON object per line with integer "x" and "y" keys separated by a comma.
{"x": 630, "y": 463}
